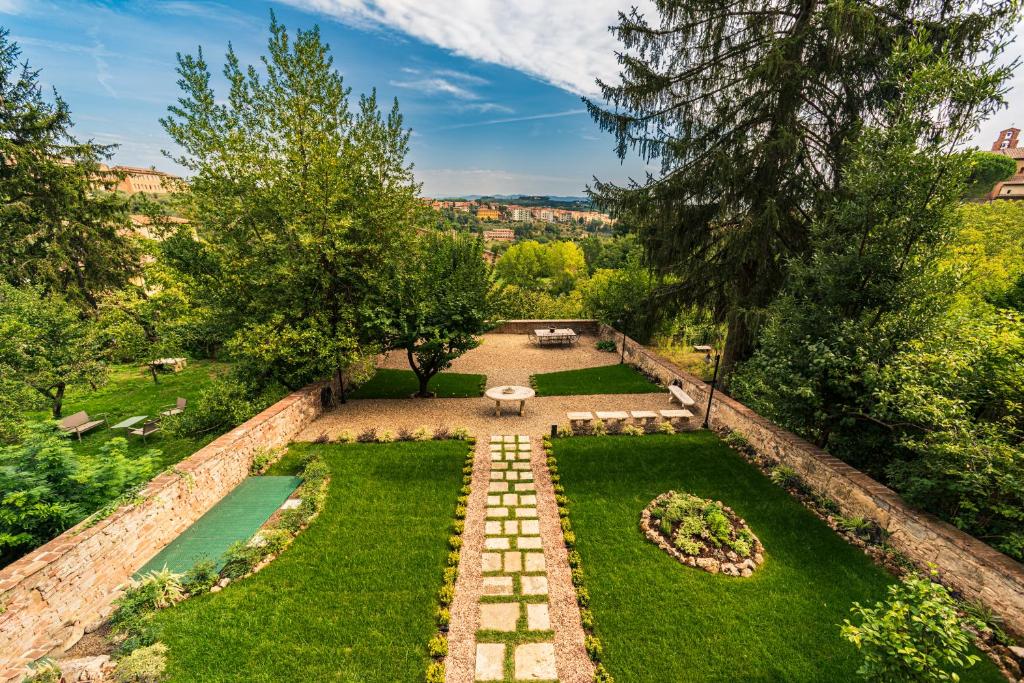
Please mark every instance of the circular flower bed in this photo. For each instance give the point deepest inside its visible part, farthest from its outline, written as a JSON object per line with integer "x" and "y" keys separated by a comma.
{"x": 702, "y": 533}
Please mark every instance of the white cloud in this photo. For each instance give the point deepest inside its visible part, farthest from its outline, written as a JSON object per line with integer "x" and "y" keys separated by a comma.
{"x": 489, "y": 107}
{"x": 564, "y": 42}
{"x": 517, "y": 119}
{"x": 432, "y": 85}
{"x": 14, "y": 7}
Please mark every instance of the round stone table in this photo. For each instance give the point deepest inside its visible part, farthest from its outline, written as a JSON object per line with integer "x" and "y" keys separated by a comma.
{"x": 502, "y": 393}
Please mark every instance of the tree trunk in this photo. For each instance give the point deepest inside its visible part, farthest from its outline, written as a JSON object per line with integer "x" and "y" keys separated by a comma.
{"x": 341, "y": 385}
{"x": 739, "y": 346}
{"x": 423, "y": 375}
{"x": 424, "y": 381}
{"x": 152, "y": 369}
{"x": 58, "y": 401}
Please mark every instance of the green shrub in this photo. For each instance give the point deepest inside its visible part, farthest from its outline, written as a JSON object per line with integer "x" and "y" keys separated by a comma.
{"x": 690, "y": 546}
{"x": 582, "y": 597}
{"x": 593, "y": 647}
{"x": 453, "y": 558}
{"x": 422, "y": 434}
{"x": 368, "y": 435}
{"x": 597, "y": 428}
{"x": 345, "y": 436}
{"x": 264, "y": 457}
{"x": 666, "y": 427}
{"x": 574, "y": 559}
{"x": 606, "y": 345}
{"x": 240, "y": 558}
{"x": 274, "y": 540}
{"x": 858, "y": 526}
{"x": 200, "y": 578}
{"x": 565, "y": 431}
{"x": 385, "y": 437}
{"x": 912, "y": 636}
{"x": 446, "y": 594}
{"x": 736, "y": 440}
{"x": 438, "y": 646}
{"x": 227, "y": 402}
{"x": 587, "y": 619}
{"x": 461, "y": 434}
{"x": 633, "y": 430}
{"x": 144, "y": 665}
{"x": 455, "y": 542}
{"x": 443, "y": 616}
{"x": 43, "y": 671}
{"x": 786, "y": 477}
{"x": 601, "y": 675}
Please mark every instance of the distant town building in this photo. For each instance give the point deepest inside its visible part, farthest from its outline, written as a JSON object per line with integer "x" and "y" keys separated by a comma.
{"x": 137, "y": 179}
{"x": 500, "y": 235}
{"x": 488, "y": 214}
{"x": 544, "y": 214}
{"x": 519, "y": 213}
{"x": 1012, "y": 187}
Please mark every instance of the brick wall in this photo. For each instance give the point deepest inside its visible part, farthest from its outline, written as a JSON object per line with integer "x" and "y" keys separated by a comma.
{"x": 49, "y": 597}
{"x": 965, "y": 563}
{"x": 527, "y": 326}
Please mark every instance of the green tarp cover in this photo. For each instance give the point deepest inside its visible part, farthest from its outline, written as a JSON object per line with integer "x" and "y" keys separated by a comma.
{"x": 235, "y": 518}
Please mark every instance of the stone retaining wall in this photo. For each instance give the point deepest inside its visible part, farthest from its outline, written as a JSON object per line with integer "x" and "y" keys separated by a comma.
{"x": 52, "y": 595}
{"x": 965, "y": 563}
{"x": 580, "y": 326}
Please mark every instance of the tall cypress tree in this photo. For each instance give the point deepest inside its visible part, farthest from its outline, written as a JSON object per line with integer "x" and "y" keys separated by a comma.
{"x": 748, "y": 106}
{"x": 61, "y": 227}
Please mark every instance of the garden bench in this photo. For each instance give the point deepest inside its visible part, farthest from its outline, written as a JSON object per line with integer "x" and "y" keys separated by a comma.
{"x": 612, "y": 415}
{"x": 80, "y": 423}
{"x": 683, "y": 415}
{"x": 579, "y": 418}
{"x": 676, "y": 393}
{"x": 644, "y": 417}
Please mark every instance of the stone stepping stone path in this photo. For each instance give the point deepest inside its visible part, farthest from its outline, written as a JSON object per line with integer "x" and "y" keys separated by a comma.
{"x": 514, "y": 639}
{"x": 514, "y": 617}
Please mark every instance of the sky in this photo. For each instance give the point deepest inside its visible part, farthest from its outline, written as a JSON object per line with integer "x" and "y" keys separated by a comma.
{"x": 491, "y": 88}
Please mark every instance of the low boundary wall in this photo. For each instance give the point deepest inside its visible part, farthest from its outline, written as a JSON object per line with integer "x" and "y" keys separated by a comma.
{"x": 52, "y": 595}
{"x": 966, "y": 564}
{"x": 580, "y": 326}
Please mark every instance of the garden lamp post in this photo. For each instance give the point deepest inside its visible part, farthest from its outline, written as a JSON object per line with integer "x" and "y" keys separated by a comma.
{"x": 711, "y": 394}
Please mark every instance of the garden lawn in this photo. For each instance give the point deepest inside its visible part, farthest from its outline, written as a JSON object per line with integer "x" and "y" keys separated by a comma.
{"x": 661, "y": 621}
{"x": 353, "y": 598}
{"x": 389, "y": 383}
{"x": 130, "y": 391}
{"x": 604, "y": 379}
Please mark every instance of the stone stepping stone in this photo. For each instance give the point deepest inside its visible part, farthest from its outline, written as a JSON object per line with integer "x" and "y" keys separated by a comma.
{"x": 490, "y": 662}
{"x": 495, "y": 466}
{"x": 537, "y": 617}
{"x": 529, "y": 527}
{"x": 496, "y": 543}
{"x": 497, "y": 475}
{"x": 512, "y": 527}
{"x": 497, "y": 486}
{"x": 535, "y": 585}
{"x": 492, "y": 528}
{"x": 522, "y": 487}
{"x": 524, "y": 476}
{"x": 528, "y": 500}
{"x": 497, "y": 512}
{"x": 499, "y": 616}
{"x": 521, "y": 465}
{"x": 526, "y": 512}
{"x": 495, "y": 457}
{"x": 528, "y": 543}
{"x": 513, "y": 562}
{"x": 535, "y": 662}
{"x": 509, "y": 439}
{"x": 494, "y": 500}
{"x": 510, "y": 456}
{"x": 534, "y": 562}
{"x": 501, "y": 585}
{"x": 490, "y": 562}
{"x": 496, "y": 439}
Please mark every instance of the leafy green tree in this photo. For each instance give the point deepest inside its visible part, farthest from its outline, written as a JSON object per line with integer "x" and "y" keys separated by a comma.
{"x": 750, "y": 108}
{"x": 988, "y": 169}
{"x": 47, "y": 487}
{"x": 306, "y": 207}
{"x": 553, "y": 267}
{"x": 445, "y": 304}
{"x": 915, "y": 635}
{"x": 45, "y": 345}
{"x": 58, "y": 229}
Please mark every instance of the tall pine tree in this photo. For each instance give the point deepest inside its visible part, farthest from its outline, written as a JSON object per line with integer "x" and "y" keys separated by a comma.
{"x": 62, "y": 229}
{"x": 749, "y": 106}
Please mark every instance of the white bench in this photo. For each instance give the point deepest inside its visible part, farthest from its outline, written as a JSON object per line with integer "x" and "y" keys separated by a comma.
{"x": 613, "y": 415}
{"x": 677, "y": 394}
{"x": 579, "y": 418}
{"x": 683, "y": 415}
{"x": 644, "y": 417}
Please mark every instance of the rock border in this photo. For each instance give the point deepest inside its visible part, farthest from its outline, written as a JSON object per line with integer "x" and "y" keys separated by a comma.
{"x": 740, "y": 567}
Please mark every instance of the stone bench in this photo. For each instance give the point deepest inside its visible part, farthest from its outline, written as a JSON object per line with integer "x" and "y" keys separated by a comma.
{"x": 579, "y": 418}
{"x": 644, "y": 417}
{"x": 612, "y": 415}
{"x": 676, "y": 415}
{"x": 676, "y": 393}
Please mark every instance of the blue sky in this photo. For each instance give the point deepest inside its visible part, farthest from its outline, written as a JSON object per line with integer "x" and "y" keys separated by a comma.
{"x": 491, "y": 88}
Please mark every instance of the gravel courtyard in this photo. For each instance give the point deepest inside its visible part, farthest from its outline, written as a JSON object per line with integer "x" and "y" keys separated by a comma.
{"x": 505, "y": 359}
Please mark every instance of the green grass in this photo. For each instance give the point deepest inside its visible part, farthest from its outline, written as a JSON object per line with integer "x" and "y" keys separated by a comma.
{"x": 662, "y": 621}
{"x": 605, "y": 379}
{"x": 130, "y": 391}
{"x": 388, "y": 383}
{"x": 353, "y": 598}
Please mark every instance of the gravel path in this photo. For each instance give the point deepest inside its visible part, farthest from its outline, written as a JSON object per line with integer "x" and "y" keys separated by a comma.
{"x": 477, "y": 414}
{"x": 511, "y": 358}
